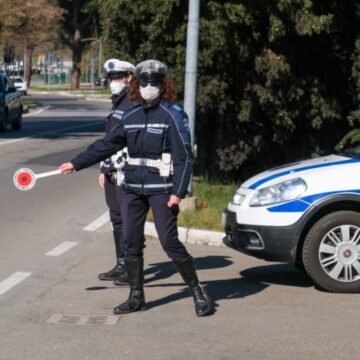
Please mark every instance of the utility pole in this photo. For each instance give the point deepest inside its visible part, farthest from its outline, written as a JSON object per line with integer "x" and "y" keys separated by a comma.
{"x": 49, "y": 69}
{"x": 192, "y": 47}
{"x": 24, "y": 62}
{"x": 92, "y": 78}
{"x": 100, "y": 57}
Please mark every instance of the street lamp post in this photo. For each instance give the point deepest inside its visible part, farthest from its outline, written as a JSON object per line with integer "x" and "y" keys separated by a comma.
{"x": 92, "y": 78}
{"x": 100, "y": 56}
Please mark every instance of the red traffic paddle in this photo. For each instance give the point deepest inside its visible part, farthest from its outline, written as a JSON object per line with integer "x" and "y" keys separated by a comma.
{"x": 25, "y": 179}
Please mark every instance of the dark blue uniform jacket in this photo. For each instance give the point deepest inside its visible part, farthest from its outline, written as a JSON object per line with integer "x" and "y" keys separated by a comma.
{"x": 121, "y": 102}
{"x": 148, "y": 132}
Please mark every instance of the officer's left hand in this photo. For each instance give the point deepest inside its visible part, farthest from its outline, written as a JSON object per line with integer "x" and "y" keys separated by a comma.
{"x": 102, "y": 180}
{"x": 174, "y": 200}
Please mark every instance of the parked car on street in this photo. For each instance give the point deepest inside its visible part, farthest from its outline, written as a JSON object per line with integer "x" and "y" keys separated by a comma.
{"x": 103, "y": 81}
{"x": 307, "y": 214}
{"x": 20, "y": 84}
{"x": 11, "y": 108}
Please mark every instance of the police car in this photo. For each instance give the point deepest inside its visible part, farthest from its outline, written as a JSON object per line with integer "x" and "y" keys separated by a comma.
{"x": 307, "y": 214}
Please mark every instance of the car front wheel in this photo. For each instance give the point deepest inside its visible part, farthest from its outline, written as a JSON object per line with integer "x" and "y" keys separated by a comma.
{"x": 331, "y": 252}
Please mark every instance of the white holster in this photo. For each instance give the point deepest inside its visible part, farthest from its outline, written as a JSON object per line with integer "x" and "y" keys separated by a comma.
{"x": 119, "y": 160}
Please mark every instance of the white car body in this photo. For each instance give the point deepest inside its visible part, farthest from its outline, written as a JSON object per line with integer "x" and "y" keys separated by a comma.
{"x": 325, "y": 176}
{"x": 306, "y": 213}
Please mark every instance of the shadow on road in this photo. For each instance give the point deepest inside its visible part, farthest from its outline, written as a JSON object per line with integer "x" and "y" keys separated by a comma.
{"x": 253, "y": 280}
{"x": 166, "y": 269}
{"x": 55, "y": 128}
{"x": 250, "y": 282}
{"x": 281, "y": 274}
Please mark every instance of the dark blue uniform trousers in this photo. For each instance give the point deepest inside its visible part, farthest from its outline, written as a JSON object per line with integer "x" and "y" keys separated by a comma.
{"x": 114, "y": 198}
{"x": 135, "y": 208}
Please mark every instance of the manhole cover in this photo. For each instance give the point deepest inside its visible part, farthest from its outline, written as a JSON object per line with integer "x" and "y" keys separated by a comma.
{"x": 63, "y": 319}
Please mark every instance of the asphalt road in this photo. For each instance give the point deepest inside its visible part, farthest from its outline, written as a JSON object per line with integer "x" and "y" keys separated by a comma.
{"x": 49, "y": 266}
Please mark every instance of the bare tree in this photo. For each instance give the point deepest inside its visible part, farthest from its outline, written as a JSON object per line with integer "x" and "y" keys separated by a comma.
{"x": 30, "y": 24}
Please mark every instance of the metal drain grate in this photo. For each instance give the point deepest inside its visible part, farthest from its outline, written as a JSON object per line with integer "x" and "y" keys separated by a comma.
{"x": 62, "y": 319}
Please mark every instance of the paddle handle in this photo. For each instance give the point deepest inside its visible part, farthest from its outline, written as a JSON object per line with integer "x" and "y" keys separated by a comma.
{"x": 48, "y": 173}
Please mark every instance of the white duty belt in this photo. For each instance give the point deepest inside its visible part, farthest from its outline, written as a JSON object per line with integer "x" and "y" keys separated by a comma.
{"x": 164, "y": 164}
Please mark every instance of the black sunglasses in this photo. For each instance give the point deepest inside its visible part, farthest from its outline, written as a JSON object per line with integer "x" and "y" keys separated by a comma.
{"x": 152, "y": 82}
{"x": 116, "y": 76}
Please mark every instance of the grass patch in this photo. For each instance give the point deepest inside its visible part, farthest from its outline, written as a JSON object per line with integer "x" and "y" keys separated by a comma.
{"x": 211, "y": 200}
{"x": 41, "y": 88}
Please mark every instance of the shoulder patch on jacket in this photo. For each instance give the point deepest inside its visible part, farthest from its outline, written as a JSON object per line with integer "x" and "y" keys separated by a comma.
{"x": 176, "y": 107}
{"x": 181, "y": 119}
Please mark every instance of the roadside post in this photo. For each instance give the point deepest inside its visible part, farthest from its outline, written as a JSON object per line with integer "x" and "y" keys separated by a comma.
{"x": 192, "y": 47}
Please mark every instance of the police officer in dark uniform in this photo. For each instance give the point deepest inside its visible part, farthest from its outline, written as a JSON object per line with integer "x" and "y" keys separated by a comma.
{"x": 120, "y": 74}
{"x": 157, "y": 174}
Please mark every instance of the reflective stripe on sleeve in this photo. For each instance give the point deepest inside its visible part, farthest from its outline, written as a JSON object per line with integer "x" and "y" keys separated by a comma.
{"x": 161, "y": 126}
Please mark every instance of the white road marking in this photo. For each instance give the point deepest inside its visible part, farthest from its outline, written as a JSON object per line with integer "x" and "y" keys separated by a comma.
{"x": 51, "y": 132}
{"x": 98, "y": 223}
{"x": 12, "y": 280}
{"x": 36, "y": 112}
{"x": 12, "y": 141}
{"x": 59, "y": 250}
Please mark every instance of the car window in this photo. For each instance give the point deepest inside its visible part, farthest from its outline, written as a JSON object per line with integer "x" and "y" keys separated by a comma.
{"x": 17, "y": 80}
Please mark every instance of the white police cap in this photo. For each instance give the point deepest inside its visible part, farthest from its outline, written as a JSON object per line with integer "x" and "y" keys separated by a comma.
{"x": 151, "y": 67}
{"x": 116, "y": 65}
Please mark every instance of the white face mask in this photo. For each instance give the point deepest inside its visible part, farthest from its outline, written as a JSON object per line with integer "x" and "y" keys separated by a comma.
{"x": 117, "y": 86}
{"x": 149, "y": 92}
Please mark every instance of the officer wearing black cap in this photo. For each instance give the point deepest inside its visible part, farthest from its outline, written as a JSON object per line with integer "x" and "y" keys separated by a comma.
{"x": 157, "y": 174}
{"x": 120, "y": 74}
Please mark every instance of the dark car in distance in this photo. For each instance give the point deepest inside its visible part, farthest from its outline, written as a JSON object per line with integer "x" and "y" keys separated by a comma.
{"x": 103, "y": 81}
{"x": 11, "y": 108}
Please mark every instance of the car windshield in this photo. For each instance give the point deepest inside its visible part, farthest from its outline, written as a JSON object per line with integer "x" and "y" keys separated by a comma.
{"x": 17, "y": 80}
{"x": 353, "y": 152}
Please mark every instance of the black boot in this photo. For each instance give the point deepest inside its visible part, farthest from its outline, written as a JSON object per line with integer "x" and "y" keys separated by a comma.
{"x": 122, "y": 278}
{"x": 187, "y": 271}
{"x": 136, "y": 300}
{"x": 119, "y": 270}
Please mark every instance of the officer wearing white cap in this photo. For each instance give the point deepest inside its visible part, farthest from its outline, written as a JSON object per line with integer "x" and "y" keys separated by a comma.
{"x": 157, "y": 174}
{"x": 120, "y": 74}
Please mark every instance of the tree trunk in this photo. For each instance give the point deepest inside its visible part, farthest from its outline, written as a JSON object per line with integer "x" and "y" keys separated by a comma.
{"x": 76, "y": 70}
{"x": 28, "y": 64}
{"x": 76, "y": 58}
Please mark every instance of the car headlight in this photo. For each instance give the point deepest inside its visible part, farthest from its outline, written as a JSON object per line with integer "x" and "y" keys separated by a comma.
{"x": 284, "y": 191}
{"x": 237, "y": 198}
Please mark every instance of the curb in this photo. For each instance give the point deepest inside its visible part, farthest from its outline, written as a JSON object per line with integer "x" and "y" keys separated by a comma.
{"x": 190, "y": 236}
